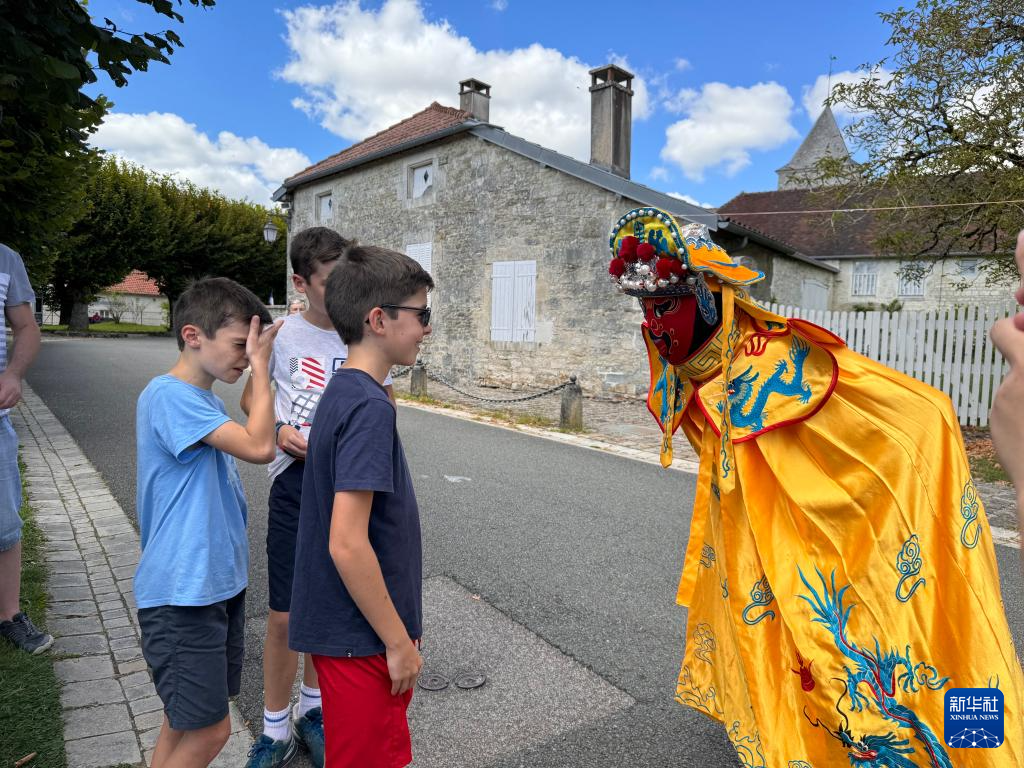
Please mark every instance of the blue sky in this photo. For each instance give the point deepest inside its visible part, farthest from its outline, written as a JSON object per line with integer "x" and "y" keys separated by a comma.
{"x": 724, "y": 91}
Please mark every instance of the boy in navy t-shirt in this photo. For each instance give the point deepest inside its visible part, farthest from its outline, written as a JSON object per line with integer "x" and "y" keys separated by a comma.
{"x": 191, "y": 579}
{"x": 357, "y": 591}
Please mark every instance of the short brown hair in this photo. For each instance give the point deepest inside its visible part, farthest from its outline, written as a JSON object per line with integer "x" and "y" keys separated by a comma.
{"x": 366, "y": 277}
{"x": 213, "y": 302}
{"x": 314, "y": 246}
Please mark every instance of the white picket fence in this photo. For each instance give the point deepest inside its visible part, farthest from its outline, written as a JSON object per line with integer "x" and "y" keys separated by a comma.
{"x": 946, "y": 348}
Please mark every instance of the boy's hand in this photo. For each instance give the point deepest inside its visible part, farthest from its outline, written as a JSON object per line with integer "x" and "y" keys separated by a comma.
{"x": 290, "y": 440}
{"x": 404, "y": 665}
{"x": 260, "y": 343}
{"x": 10, "y": 389}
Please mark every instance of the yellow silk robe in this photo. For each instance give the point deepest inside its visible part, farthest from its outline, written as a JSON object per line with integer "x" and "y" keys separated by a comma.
{"x": 840, "y": 573}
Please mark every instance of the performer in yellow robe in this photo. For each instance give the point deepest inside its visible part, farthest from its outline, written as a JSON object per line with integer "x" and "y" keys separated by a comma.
{"x": 840, "y": 574}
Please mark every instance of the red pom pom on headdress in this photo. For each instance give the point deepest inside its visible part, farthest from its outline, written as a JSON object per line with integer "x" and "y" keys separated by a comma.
{"x": 617, "y": 267}
{"x": 627, "y": 248}
{"x": 665, "y": 267}
{"x": 645, "y": 251}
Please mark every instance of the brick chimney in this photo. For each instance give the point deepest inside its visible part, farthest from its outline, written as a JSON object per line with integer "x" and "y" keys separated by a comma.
{"x": 475, "y": 98}
{"x": 611, "y": 118}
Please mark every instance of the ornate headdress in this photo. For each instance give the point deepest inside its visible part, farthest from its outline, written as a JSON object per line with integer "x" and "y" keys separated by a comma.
{"x": 653, "y": 256}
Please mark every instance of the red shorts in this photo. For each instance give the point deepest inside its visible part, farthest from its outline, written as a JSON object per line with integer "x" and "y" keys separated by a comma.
{"x": 364, "y": 725}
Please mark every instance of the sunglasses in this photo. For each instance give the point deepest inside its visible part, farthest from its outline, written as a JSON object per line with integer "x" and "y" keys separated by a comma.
{"x": 423, "y": 312}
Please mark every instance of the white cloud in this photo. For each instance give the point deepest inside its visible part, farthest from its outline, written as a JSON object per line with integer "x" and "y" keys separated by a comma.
{"x": 723, "y": 124}
{"x": 499, "y": 5}
{"x": 682, "y": 65}
{"x": 689, "y": 199}
{"x": 815, "y": 95}
{"x": 658, "y": 173}
{"x": 362, "y": 70}
{"x": 235, "y": 166}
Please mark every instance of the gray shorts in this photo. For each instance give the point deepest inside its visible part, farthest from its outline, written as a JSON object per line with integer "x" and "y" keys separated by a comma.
{"x": 195, "y": 653}
{"x": 10, "y": 486}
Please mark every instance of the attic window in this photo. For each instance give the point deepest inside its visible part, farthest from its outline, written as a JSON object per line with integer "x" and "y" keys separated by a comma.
{"x": 421, "y": 179}
{"x": 324, "y": 208}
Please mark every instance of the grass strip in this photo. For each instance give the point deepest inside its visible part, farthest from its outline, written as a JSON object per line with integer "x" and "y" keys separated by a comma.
{"x": 30, "y": 715}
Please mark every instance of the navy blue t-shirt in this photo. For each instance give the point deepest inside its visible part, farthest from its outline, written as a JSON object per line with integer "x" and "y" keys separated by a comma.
{"x": 354, "y": 446}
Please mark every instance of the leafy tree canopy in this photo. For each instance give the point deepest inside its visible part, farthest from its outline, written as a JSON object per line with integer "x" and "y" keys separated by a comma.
{"x": 940, "y": 123}
{"x": 49, "y": 50}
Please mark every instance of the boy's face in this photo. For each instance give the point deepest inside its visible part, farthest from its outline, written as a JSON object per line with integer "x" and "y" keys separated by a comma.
{"x": 223, "y": 356}
{"x": 316, "y": 285}
{"x": 405, "y": 334}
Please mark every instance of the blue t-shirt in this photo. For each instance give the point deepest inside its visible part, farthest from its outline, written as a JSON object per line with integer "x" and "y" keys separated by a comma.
{"x": 191, "y": 507}
{"x": 354, "y": 446}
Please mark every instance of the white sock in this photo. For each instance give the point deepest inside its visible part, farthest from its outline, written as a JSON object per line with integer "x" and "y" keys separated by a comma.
{"x": 308, "y": 699}
{"x": 276, "y": 725}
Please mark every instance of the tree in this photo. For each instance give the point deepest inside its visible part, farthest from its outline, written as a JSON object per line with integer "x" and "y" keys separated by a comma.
{"x": 126, "y": 221}
{"x": 940, "y": 123}
{"x": 49, "y": 50}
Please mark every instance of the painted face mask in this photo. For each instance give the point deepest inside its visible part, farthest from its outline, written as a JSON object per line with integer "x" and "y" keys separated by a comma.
{"x": 671, "y": 321}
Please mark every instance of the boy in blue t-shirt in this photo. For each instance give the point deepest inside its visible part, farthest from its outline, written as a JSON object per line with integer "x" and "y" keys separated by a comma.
{"x": 191, "y": 579}
{"x": 357, "y": 590}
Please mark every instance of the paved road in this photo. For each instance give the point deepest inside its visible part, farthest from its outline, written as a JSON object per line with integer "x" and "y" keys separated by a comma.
{"x": 551, "y": 568}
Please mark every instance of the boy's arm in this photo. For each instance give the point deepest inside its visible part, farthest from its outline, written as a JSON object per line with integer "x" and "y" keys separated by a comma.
{"x": 246, "y": 402}
{"x": 359, "y": 569}
{"x": 255, "y": 441}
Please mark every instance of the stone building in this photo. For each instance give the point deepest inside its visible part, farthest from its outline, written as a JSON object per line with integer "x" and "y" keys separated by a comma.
{"x": 797, "y": 212}
{"x": 516, "y": 237}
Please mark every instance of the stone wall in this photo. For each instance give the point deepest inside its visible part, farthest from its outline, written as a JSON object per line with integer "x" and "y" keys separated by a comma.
{"x": 944, "y": 286}
{"x": 789, "y": 276}
{"x": 486, "y": 205}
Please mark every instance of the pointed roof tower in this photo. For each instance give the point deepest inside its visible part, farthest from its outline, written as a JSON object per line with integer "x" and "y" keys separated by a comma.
{"x": 824, "y": 140}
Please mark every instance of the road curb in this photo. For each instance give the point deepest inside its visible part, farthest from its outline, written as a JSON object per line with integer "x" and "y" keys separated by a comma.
{"x": 111, "y": 712}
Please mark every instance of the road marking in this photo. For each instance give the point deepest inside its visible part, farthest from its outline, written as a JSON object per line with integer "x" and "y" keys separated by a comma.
{"x": 457, "y": 479}
{"x": 1005, "y": 537}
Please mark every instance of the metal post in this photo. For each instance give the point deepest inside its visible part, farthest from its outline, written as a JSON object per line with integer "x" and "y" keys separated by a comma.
{"x": 572, "y": 407}
{"x": 418, "y": 380}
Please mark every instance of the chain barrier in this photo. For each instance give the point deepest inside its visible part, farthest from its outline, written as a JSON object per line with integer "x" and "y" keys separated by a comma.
{"x": 402, "y": 372}
{"x": 441, "y": 380}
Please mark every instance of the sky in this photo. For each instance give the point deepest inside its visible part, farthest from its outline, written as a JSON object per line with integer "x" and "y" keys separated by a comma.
{"x": 723, "y": 91}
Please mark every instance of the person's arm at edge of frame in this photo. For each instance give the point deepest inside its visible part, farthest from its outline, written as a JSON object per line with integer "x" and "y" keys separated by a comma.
{"x": 359, "y": 569}
{"x": 22, "y": 321}
{"x": 255, "y": 441}
{"x": 1007, "y": 418}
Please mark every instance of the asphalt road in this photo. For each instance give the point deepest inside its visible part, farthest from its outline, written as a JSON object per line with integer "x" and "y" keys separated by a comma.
{"x": 575, "y": 547}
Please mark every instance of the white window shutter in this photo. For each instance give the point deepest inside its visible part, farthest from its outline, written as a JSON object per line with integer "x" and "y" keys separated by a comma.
{"x": 421, "y": 253}
{"x": 502, "y": 300}
{"x": 524, "y": 314}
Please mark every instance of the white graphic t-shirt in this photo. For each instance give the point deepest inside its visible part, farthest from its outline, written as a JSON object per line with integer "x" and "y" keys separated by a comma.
{"x": 305, "y": 357}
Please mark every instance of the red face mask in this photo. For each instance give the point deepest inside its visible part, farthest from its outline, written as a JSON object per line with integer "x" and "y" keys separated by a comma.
{"x": 670, "y": 321}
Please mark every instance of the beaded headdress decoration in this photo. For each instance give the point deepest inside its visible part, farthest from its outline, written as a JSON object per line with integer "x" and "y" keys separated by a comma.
{"x": 653, "y": 256}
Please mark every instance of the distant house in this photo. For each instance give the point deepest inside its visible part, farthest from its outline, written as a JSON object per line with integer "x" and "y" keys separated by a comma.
{"x": 799, "y": 215}
{"x": 136, "y": 299}
{"x": 516, "y": 236}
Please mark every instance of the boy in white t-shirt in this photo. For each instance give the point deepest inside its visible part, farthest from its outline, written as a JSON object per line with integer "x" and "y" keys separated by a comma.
{"x": 307, "y": 352}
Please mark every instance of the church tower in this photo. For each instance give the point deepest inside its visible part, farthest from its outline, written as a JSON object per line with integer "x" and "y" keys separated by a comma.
{"x": 824, "y": 140}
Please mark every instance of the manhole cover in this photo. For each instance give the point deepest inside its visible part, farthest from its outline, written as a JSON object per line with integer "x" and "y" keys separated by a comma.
{"x": 431, "y": 681}
{"x": 468, "y": 680}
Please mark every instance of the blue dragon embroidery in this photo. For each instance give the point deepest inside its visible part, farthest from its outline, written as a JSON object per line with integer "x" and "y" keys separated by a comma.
{"x": 760, "y": 596}
{"x": 878, "y": 673}
{"x": 969, "y": 508}
{"x": 909, "y": 564}
{"x": 742, "y": 388}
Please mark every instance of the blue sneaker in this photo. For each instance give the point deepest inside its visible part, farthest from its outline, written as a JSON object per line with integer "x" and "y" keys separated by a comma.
{"x": 309, "y": 732}
{"x": 269, "y": 753}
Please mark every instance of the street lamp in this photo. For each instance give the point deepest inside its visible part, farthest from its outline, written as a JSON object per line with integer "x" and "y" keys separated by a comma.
{"x": 270, "y": 231}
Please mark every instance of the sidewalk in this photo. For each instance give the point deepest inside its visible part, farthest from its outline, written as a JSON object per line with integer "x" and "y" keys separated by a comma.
{"x": 112, "y": 714}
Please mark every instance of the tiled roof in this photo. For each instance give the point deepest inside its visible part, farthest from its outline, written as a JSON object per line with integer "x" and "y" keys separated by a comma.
{"x": 815, "y": 234}
{"x": 431, "y": 120}
{"x": 138, "y": 283}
